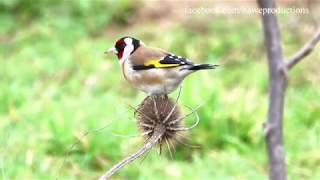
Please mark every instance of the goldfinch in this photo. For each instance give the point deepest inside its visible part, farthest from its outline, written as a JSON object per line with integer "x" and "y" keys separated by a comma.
{"x": 152, "y": 70}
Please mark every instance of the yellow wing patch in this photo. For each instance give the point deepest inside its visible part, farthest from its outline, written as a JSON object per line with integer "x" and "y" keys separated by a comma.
{"x": 157, "y": 64}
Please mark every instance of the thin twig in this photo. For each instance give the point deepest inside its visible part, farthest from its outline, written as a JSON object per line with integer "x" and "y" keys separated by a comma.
{"x": 79, "y": 140}
{"x": 187, "y": 115}
{"x": 304, "y": 51}
{"x": 146, "y": 125}
{"x": 169, "y": 149}
{"x": 188, "y": 128}
{"x": 174, "y": 107}
{"x": 159, "y": 130}
{"x": 130, "y": 136}
{"x": 172, "y": 145}
{"x": 186, "y": 144}
{"x": 181, "y": 142}
{"x": 182, "y": 137}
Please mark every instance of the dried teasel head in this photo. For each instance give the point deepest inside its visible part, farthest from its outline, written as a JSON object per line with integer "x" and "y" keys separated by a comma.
{"x": 159, "y": 110}
{"x": 163, "y": 112}
{"x": 159, "y": 118}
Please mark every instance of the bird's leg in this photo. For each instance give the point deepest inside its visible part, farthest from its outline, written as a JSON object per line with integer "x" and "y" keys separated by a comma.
{"x": 164, "y": 96}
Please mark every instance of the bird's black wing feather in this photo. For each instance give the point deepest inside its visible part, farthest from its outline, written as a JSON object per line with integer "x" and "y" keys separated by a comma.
{"x": 168, "y": 61}
{"x": 173, "y": 59}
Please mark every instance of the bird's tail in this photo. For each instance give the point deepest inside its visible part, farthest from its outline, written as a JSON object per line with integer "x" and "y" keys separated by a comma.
{"x": 203, "y": 66}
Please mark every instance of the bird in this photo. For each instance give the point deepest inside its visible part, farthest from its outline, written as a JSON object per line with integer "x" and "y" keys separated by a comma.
{"x": 153, "y": 70}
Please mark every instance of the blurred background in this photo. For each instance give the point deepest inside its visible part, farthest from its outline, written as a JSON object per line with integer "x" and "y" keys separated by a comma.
{"x": 56, "y": 84}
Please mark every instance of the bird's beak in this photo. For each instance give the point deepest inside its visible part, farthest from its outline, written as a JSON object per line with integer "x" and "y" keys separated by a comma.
{"x": 112, "y": 50}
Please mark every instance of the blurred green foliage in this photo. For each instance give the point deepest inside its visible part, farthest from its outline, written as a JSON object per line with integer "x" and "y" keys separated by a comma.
{"x": 56, "y": 84}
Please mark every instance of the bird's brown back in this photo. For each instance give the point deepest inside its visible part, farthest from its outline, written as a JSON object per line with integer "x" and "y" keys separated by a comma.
{"x": 143, "y": 54}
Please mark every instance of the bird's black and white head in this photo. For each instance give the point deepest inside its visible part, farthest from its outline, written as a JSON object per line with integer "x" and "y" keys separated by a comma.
{"x": 124, "y": 47}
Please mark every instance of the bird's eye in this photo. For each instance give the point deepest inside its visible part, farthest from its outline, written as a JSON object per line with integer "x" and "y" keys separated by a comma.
{"x": 120, "y": 45}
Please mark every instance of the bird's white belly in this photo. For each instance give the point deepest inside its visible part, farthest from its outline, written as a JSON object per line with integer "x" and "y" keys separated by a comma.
{"x": 154, "y": 81}
{"x": 167, "y": 87}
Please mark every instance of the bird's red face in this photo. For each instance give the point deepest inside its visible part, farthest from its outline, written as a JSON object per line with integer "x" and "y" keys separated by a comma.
{"x": 120, "y": 45}
{"x": 124, "y": 47}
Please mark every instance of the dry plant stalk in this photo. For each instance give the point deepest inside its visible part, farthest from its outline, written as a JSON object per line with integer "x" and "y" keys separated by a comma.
{"x": 159, "y": 119}
{"x": 278, "y": 77}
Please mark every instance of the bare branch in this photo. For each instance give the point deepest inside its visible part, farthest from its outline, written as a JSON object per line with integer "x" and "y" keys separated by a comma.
{"x": 304, "y": 51}
{"x": 277, "y": 85}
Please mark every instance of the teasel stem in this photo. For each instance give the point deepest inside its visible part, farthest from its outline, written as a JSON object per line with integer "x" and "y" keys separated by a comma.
{"x": 159, "y": 130}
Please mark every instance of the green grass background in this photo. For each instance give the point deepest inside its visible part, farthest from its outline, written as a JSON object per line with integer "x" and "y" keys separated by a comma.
{"x": 56, "y": 84}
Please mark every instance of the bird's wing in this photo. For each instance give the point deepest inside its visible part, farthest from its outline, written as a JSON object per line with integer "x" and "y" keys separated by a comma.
{"x": 157, "y": 58}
